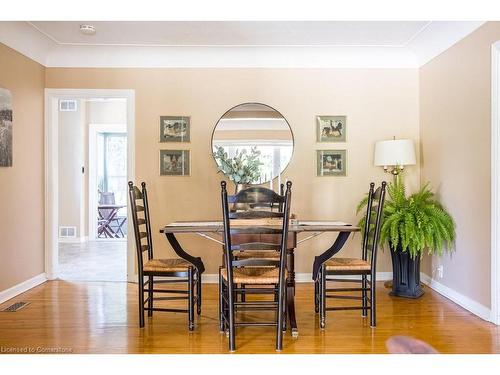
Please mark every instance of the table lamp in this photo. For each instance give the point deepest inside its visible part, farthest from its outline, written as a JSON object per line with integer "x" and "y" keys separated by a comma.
{"x": 394, "y": 154}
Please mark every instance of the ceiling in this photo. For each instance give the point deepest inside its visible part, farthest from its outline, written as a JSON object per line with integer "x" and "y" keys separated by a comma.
{"x": 308, "y": 44}
{"x": 256, "y": 33}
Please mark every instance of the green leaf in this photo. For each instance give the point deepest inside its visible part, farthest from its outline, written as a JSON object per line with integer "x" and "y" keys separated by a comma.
{"x": 417, "y": 222}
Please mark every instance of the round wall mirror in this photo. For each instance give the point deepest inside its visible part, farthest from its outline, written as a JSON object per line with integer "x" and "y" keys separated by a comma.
{"x": 252, "y": 143}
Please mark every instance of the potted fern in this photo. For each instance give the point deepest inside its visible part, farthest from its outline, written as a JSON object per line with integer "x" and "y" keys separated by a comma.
{"x": 411, "y": 226}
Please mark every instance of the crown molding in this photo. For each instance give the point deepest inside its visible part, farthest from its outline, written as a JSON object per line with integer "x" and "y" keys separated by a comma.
{"x": 26, "y": 40}
{"x": 440, "y": 36}
{"x": 433, "y": 39}
{"x": 230, "y": 57}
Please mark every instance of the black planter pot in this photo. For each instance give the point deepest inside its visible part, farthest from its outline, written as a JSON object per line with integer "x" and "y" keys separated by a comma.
{"x": 405, "y": 274}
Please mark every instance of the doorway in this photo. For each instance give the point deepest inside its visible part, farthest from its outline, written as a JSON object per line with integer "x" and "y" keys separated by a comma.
{"x": 89, "y": 159}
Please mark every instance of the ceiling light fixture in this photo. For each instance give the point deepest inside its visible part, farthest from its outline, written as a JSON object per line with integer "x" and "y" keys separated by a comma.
{"x": 87, "y": 29}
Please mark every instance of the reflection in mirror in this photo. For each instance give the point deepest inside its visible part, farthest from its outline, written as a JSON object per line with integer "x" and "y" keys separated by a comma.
{"x": 252, "y": 144}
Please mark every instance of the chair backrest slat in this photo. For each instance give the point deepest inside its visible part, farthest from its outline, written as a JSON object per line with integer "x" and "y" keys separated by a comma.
{"x": 106, "y": 198}
{"x": 256, "y": 195}
{"x": 255, "y": 214}
{"x": 140, "y": 218}
{"x": 256, "y": 246}
{"x": 272, "y": 239}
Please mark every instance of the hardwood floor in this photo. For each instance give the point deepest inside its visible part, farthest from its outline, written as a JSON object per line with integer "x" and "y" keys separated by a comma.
{"x": 101, "y": 317}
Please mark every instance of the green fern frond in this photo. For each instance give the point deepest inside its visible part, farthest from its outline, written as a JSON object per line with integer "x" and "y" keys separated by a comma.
{"x": 414, "y": 223}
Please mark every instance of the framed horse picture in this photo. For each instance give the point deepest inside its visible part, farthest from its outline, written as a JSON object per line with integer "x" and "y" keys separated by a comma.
{"x": 174, "y": 163}
{"x": 174, "y": 129}
{"x": 331, "y": 128}
{"x": 331, "y": 163}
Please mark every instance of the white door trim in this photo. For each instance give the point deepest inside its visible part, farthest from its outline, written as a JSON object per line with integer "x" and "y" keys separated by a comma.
{"x": 495, "y": 183}
{"x": 92, "y": 203}
{"x": 51, "y": 168}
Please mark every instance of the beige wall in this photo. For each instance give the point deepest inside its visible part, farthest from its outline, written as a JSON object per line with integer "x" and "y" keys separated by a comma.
{"x": 455, "y": 133}
{"x": 379, "y": 104}
{"x": 22, "y": 185}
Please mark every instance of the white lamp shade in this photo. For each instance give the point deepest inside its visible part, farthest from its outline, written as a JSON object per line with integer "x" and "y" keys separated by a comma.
{"x": 396, "y": 152}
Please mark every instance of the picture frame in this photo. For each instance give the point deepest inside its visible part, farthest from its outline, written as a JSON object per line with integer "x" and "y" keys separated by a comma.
{"x": 331, "y": 129}
{"x": 175, "y": 163}
{"x": 175, "y": 129}
{"x": 331, "y": 163}
{"x": 6, "y": 125}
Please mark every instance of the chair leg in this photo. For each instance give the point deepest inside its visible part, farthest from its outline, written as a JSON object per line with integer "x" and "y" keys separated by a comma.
{"x": 141, "y": 300}
{"x": 373, "y": 302}
{"x": 150, "y": 295}
{"x": 285, "y": 315}
{"x": 280, "y": 311}
{"x": 363, "y": 296}
{"x": 316, "y": 296}
{"x": 322, "y": 297}
{"x": 221, "y": 303}
{"x": 198, "y": 293}
{"x": 190, "y": 298}
{"x": 230, "y": 297}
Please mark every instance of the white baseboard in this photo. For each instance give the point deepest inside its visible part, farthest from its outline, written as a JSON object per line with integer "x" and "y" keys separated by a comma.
{"x": 213, "y": 278}
{"x": 7, "y": 294}
{"x": 473, "y": 306}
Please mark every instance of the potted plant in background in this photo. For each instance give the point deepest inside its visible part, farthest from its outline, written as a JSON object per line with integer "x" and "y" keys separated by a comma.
{"x": 243, "y": 169}
{"x": 411, "y": 226}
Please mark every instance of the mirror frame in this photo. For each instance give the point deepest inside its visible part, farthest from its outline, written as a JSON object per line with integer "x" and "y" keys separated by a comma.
{"x": 229, "y": 110}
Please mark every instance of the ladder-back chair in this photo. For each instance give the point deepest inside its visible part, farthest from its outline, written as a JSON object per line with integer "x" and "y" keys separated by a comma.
{"x": 365, "y": 267}
{"x": 258, "y": 274}
{"x": 176, "y": 270}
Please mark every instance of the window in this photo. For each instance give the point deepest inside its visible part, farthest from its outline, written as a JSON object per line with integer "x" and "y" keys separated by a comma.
{"x": 112, "y": 166}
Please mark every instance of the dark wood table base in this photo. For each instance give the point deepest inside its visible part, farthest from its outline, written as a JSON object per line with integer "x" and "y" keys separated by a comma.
{"x": 343, "y": 234}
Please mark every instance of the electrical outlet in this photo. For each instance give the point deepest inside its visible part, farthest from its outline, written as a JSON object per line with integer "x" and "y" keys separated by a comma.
{"x": 440, "y": 271}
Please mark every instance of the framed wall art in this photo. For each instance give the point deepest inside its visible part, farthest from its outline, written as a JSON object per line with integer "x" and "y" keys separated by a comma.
{"x": 331, "y": 163}
{"x": 175, "y": 129}
{"x": 5, "y": 128}
{"x": 331, "y": 128}
{"x": 174, "y": 163}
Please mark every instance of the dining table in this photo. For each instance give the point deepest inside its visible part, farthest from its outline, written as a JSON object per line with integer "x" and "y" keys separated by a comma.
{"x": 213, "y": 230}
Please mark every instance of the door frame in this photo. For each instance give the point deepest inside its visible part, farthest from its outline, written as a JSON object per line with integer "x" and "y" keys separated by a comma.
{"x": 495, "y": 183}
{"x": 94, "y": 129}
{"x": 51, "y": 154}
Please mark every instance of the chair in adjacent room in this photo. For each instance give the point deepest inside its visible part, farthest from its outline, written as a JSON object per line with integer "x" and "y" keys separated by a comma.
{"x": 174, "y": 270}
{"x": 109, "y": 223}
{"x": 365, "y": 267}
{"x": 258, "y": 274}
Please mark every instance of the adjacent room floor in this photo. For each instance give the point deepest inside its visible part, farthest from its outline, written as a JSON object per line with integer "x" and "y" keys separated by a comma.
{"x": 93, "y": 261}
{"x": 102, "y": 317}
